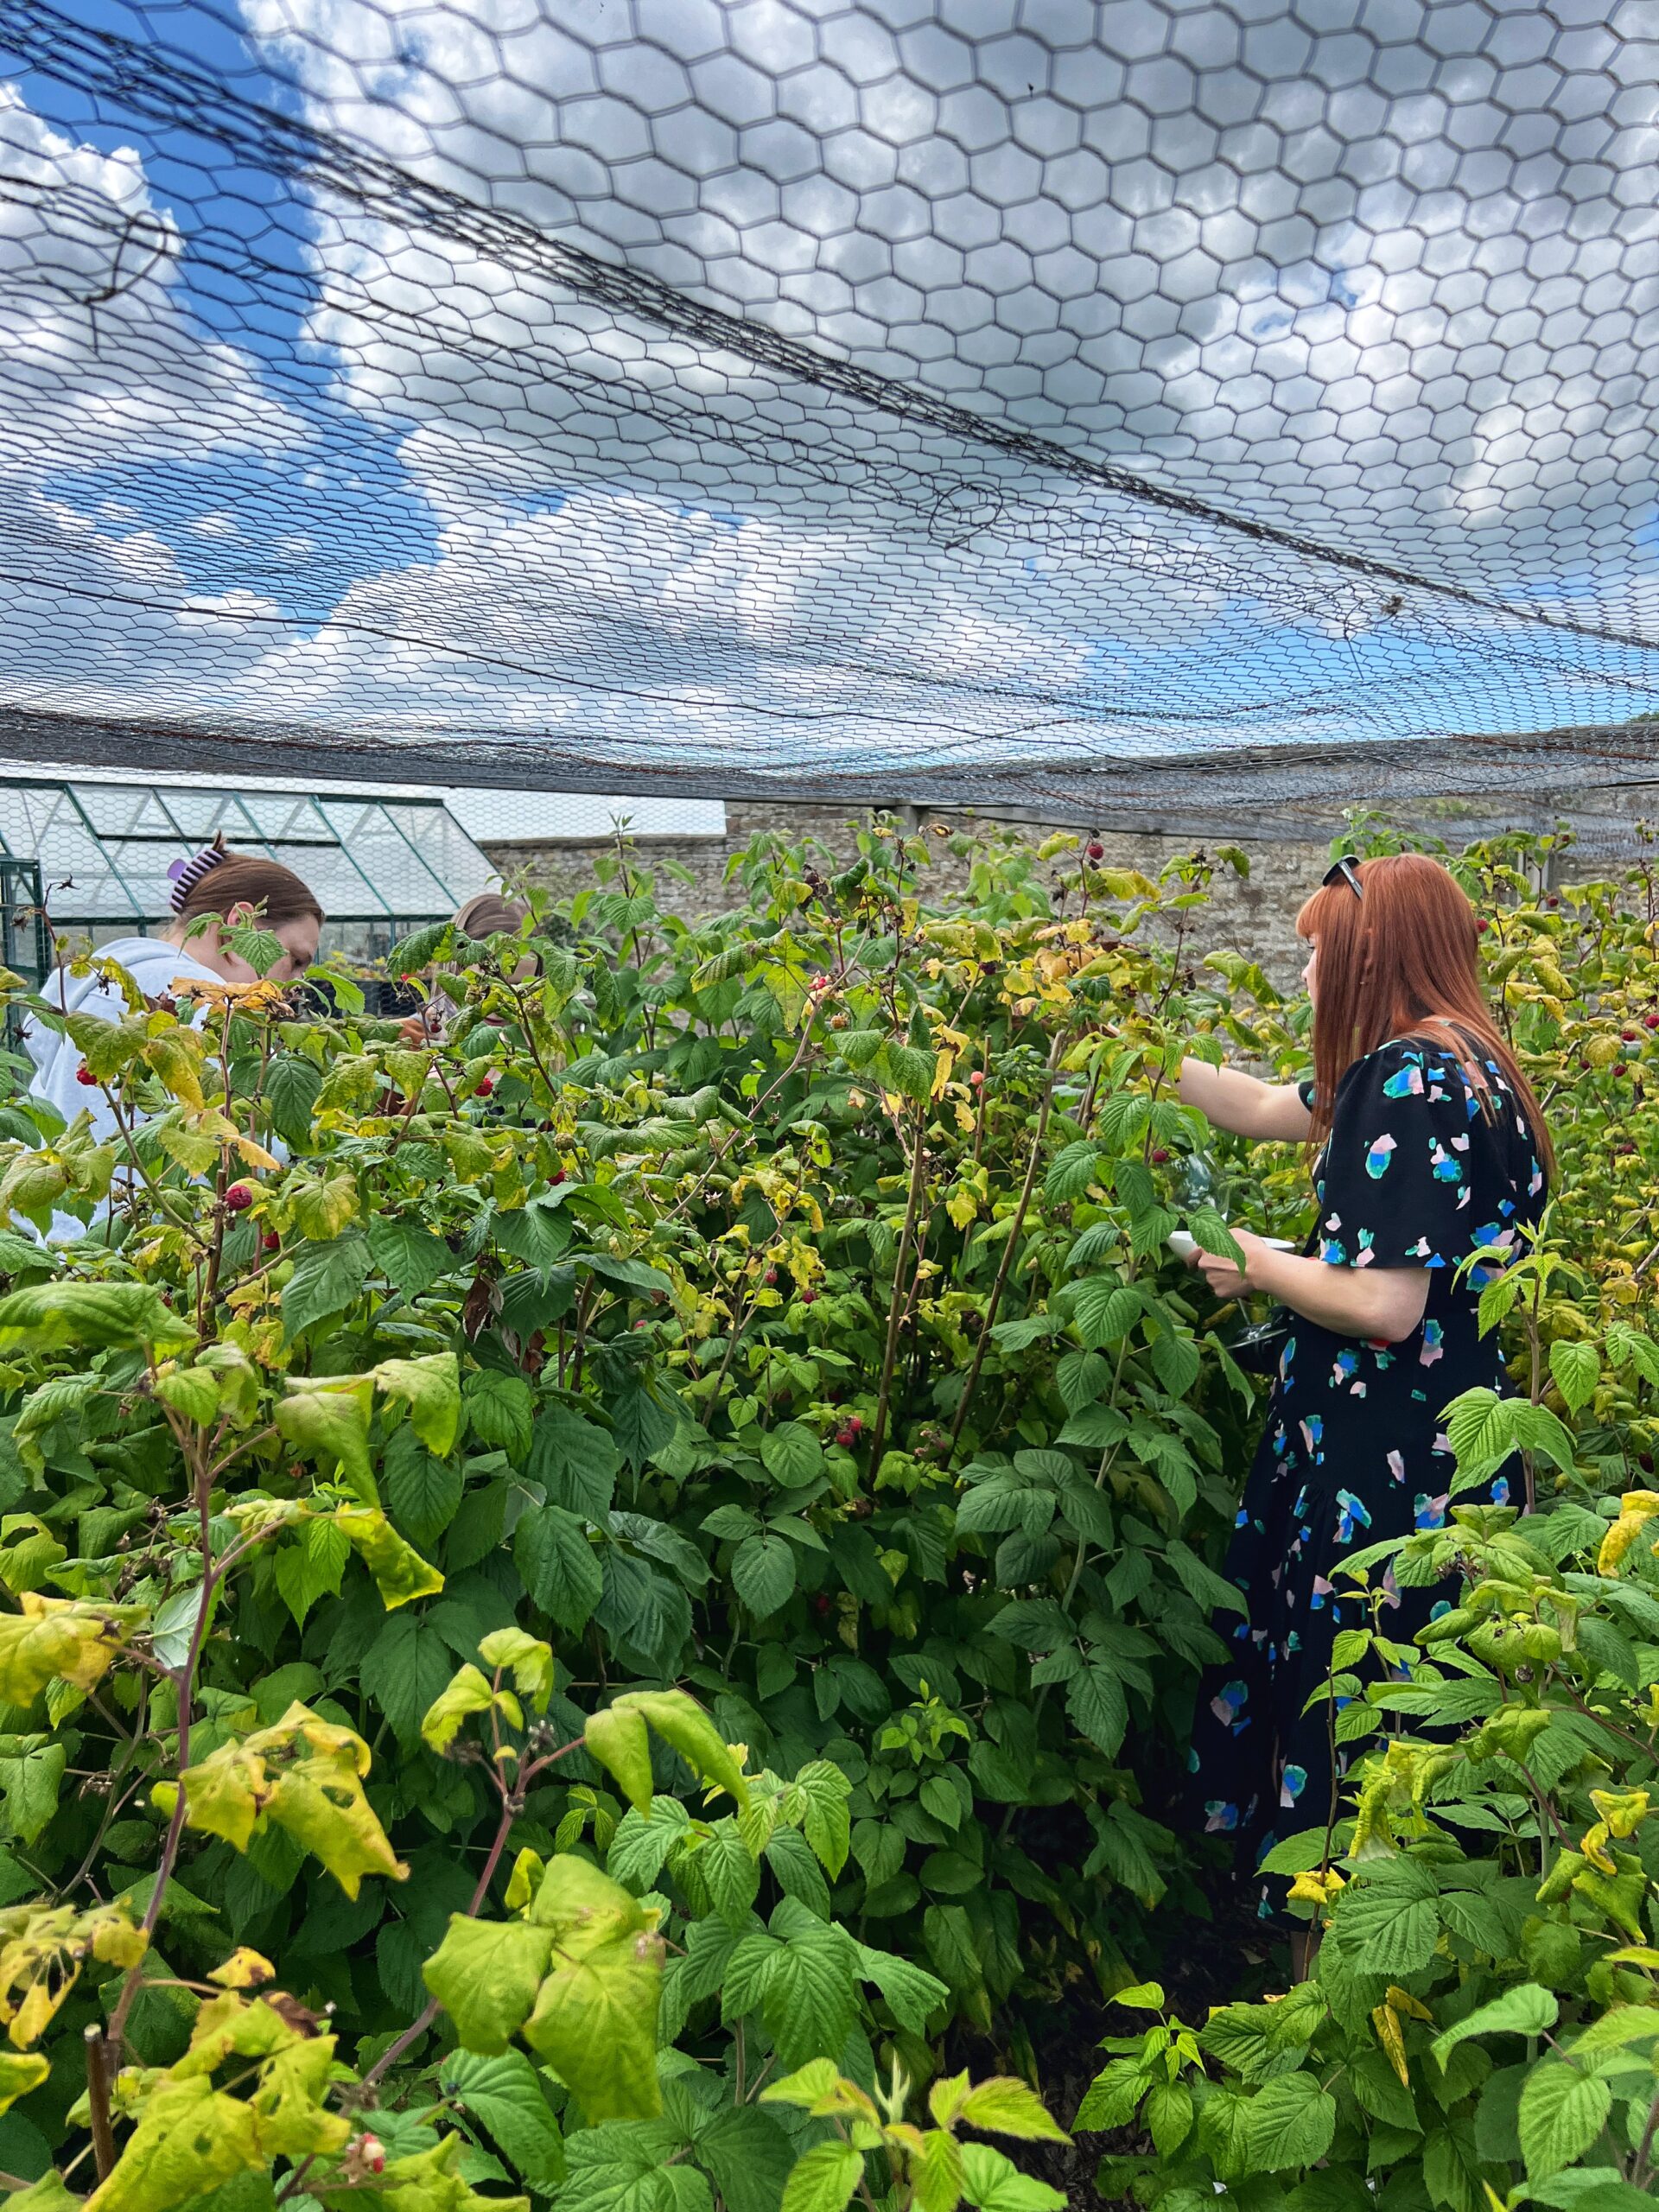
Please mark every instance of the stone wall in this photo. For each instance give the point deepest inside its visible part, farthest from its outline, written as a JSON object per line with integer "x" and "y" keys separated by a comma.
{"x": 1255, "y": 916}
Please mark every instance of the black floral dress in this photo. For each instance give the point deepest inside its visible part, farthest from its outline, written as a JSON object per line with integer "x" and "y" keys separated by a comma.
{"x": 1419, "y": 1171}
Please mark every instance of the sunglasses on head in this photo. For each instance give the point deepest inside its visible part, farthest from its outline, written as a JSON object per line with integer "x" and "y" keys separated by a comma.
{"x": 1346, "y": 870}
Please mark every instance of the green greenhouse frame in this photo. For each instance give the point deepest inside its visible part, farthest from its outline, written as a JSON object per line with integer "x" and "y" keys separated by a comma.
{"x": 94, "y": 856}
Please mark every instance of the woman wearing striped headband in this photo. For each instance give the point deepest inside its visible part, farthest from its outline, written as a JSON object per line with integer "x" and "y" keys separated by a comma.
{"x": 214, "y": 887}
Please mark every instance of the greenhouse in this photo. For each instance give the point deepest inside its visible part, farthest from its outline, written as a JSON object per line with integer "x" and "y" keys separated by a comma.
{"x": 95, "y": 854}
{"x": 932, "y": 1482}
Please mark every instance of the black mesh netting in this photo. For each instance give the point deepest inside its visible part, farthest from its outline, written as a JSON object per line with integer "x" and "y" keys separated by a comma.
{"x": 1074, "y": 405}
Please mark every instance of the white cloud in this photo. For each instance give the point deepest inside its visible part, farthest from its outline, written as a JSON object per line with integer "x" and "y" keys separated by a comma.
{"x": 102, "y": 366}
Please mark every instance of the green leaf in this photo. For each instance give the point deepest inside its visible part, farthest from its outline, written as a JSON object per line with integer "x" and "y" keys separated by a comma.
{"x": 1563, "y": 2112}
{"x": 327, "y": 1280}
{"x": 505, "y": 2094}
{"x": 995, "y": 2184}
{"x": 1526, "y": 2010}
{"x": 107, "y": 1316}
{"x": 763, "y": 1573}
{"x": 910, "y": 1991}
{"x": 1211, "y": 1234}
{"x": 403, "y": 1671}
{"x": 575, "y": 1461}
{"x": 792, "y": 1455}
{"x": 499, "y": 1412}
{"x": 818, "y": 1798}
{"x": 1094, "y": 1700}
{"x": 1072, "y": 1169}
{"x": 1387, "y": 1924}
{"x": 824, "y": 2178}
{"x": 1102, "y": 1310}
{"x": 560, "y": 1566}
{"x": 289, "y": 1091}
{"x": 747, "y": 2155}
{"x": 1291, "y": 2121}
{"x": 1480, "y": 1428}
{"x": 423, "y": 1493}
{"x": 1575, "y": 1371}
{"x": 487, "y": 1975}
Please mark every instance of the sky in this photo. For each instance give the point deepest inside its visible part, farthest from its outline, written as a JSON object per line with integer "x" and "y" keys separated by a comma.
{"x": 381, "y": 445}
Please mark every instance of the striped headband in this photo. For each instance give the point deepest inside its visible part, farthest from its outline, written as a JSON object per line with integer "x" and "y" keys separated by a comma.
{"x": 186, "y": 875}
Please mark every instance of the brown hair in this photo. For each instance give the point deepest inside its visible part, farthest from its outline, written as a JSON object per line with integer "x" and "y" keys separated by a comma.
{"x": 1402, "y": 961}
{"x": 486, "y": 913}
{"x": 227, "y": 880}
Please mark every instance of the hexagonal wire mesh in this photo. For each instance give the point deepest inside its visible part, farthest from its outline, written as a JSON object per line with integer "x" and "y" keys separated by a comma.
{"x": 1091, "y": 407}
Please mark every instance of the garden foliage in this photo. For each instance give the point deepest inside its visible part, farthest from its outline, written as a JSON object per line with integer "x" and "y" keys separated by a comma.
{"x": 601, "y": 1612}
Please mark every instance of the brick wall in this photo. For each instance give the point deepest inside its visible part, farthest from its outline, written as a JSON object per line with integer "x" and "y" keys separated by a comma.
{"x": 1255, "y": 916}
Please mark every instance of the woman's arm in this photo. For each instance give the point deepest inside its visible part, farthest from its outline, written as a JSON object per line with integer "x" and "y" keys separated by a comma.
{"x": 1250, "y": 1108}
{"x": 1380, "y": 1304}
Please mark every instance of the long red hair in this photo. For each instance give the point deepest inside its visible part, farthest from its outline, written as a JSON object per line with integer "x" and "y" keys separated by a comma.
{"x": 1402, "y": 961}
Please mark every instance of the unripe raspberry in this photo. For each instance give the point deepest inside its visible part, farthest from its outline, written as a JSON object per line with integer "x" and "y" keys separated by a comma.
{"x": 977, "y": 1078}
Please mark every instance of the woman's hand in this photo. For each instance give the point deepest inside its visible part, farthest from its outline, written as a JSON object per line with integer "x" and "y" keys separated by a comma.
{"x": 1225, "y": 1280}
{"x": 1376, "y": 1304}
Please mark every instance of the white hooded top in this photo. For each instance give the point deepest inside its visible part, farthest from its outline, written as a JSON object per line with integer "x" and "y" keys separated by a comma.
{"x": 154, "y": 965}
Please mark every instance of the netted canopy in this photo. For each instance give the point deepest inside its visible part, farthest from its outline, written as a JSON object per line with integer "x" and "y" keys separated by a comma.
{"x": 1107, "y": 406}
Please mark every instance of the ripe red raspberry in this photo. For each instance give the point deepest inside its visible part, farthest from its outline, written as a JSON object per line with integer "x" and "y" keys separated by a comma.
{"x": 270, "y": 1241}
{"x": 1096, "y": 850}
{"x": 770, "y": 1277}
{"x": 1161, "y": 1158}
{"x": 821, "y": 1604}
{"x": 808, "y": 1298}
{"x": 85, "y": 1076}
{"x": 238, "y": 1198}
{"x": 558, "y": 1176}
{"x": 1650, "y": 1021}
{"x": 483, "y": 1086}
{"x": 1619, "y": 1066}
{"x": 1629, "y": 1035}
{"x": 1483, "y": 925}
{"x": 846, "y": 1435}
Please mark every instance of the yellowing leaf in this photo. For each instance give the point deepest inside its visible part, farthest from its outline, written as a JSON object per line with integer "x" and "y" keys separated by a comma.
{"x": 64, "y": 1636}
{"x": 175, "y": 1055}
{"x": 400, "y": 1573}
{"x": 244, "y": 1969}
{"x": 322, "y": 1208}
{"x": 42, "y": 1949}
{"x": 487, "y": 1975}
{"x": 530, "y": 1660}
{"x": 20, "y": 2074}
{"x": 305, "y": 1774}
{"x": 189, "y": 2138}
{"x": 1003, "y": 2106}
{"x": 430, "y": 1387}
{"x": 329, "y": 1423}
{"x": 468, "y": 1693}
{"x": 1636, "y": 1508}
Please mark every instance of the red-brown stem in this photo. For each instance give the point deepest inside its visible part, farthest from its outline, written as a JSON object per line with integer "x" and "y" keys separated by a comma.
{"x": 1007, "y": 1266}
{"x": 512, "y": 1804}
{"x": 895, "y": 1312}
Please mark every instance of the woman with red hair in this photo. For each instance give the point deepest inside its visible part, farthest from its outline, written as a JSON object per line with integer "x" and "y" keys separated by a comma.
{"x": 1431, "y": 1148}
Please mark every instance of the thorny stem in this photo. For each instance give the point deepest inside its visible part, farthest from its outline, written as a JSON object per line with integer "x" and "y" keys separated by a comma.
{"x": 1006, "y": 1267}
{"x": 895, "y": 1313}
